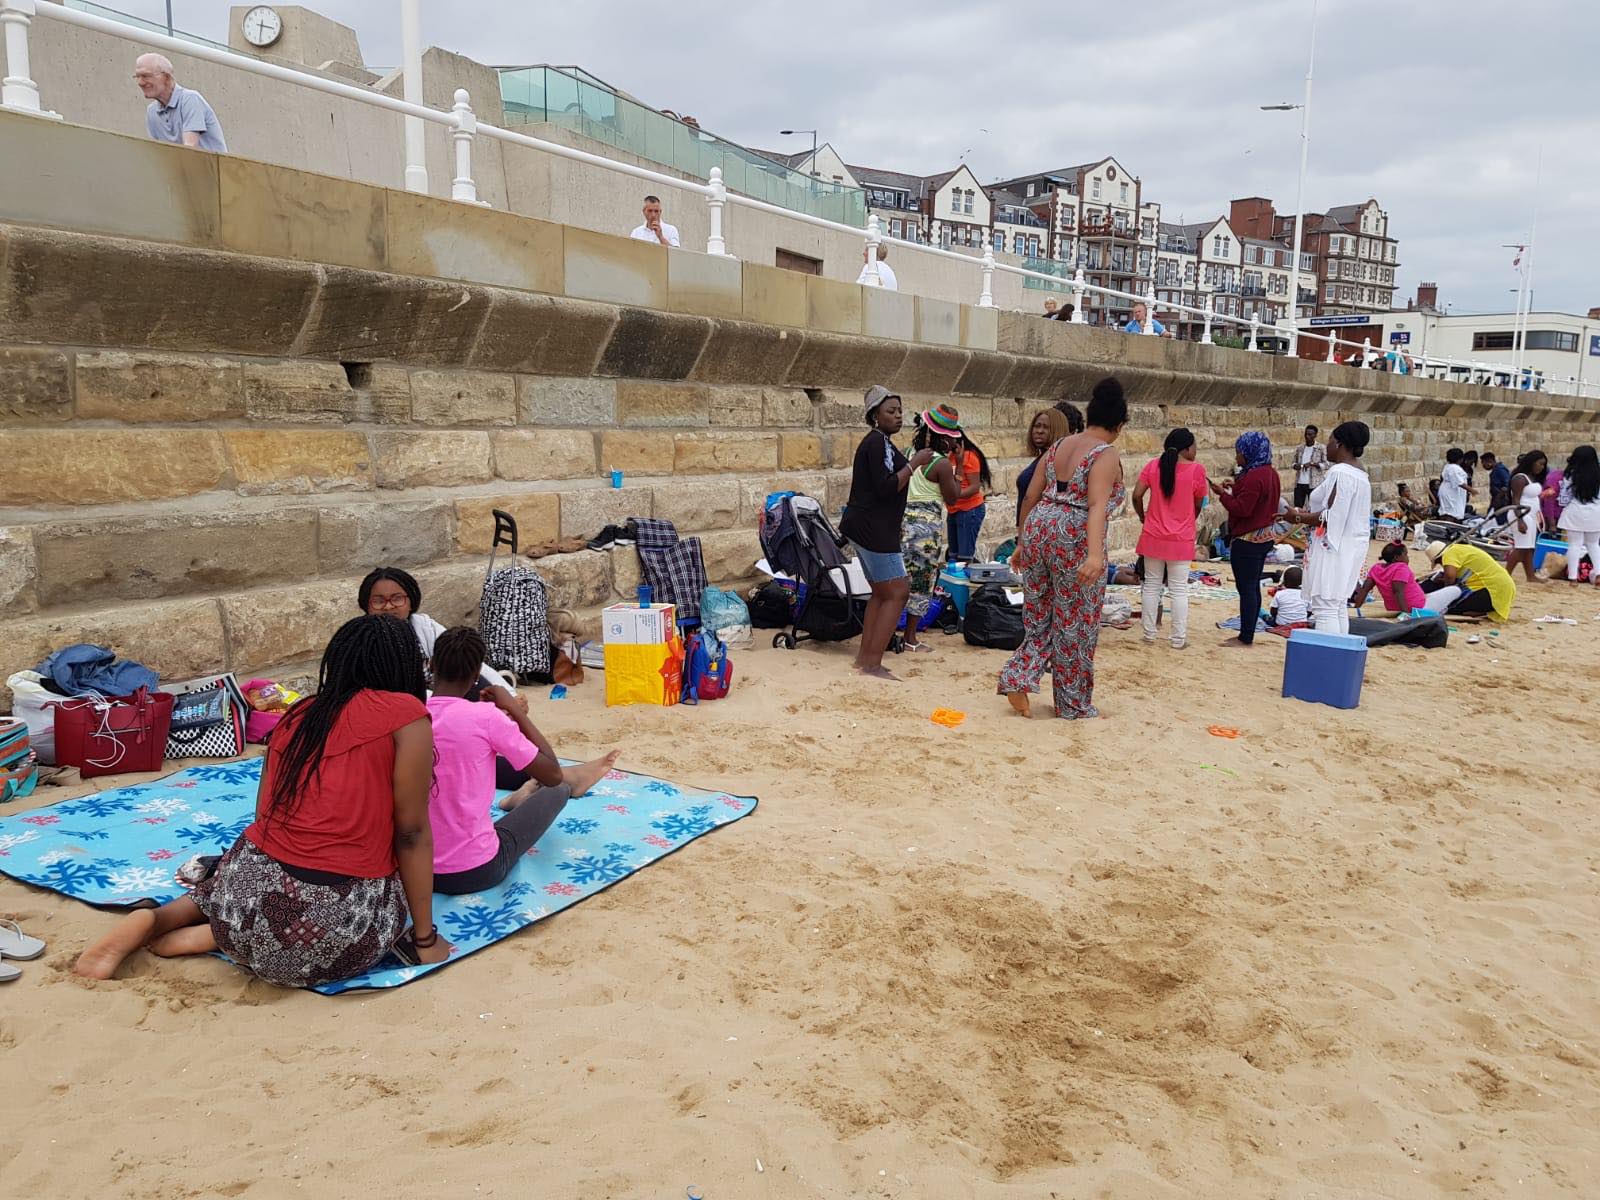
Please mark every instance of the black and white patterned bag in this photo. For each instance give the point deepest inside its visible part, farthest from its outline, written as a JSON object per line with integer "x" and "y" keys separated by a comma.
{"x": 208, "y": 717}
{"x": 514, "y": 617}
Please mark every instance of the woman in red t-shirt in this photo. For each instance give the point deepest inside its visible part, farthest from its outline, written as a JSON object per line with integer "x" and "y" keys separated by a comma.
{"x": 320, "y": 886}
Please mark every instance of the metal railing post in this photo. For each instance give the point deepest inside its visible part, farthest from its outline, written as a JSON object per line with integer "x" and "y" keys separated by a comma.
{"x": 716, "y": 201}
{"x": 1255, "y": 323}
{"x": 1150, "y": 308}
{"x": 461, "y": 187}
{"x": 1333, "y": 344}
{"x": 1077, "y": 297}
{"x": 18, "y": 90}
{"x": 416, "y": 176}
{"x": 874, "y": 238}
{"x": 986, "y": 296}
{"x": 1205, "y": 333}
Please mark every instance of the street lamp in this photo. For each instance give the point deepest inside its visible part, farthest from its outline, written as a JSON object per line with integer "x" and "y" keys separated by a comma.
{"x": 813, "y": 133}
{"x": 1300, "y": 187}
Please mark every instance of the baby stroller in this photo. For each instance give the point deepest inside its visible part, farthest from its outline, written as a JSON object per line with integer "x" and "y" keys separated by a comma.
{"x": 800, "y": 542}
{"x": 1491, "y": 534}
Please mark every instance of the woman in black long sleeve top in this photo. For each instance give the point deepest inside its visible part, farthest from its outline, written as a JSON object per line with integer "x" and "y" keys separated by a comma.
{"x": 872, "y": 521}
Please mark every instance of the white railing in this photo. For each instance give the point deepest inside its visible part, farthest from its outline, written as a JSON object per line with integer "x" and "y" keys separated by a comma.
{"x": 19, "y": 93}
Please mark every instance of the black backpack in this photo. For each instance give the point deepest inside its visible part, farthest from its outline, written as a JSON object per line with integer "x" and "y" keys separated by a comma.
{"x": 772, "y": 605}
{"x": 992, "y": 621}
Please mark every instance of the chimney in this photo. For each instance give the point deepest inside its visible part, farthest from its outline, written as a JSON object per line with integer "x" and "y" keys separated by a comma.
{"x": 1252, "y": 217}
{"x": 1427, "y": 295}
{"x": 1594, "y": 314}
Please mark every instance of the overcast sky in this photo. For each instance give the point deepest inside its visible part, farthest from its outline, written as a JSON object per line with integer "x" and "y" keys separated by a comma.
{"x": 1438, "y": 108}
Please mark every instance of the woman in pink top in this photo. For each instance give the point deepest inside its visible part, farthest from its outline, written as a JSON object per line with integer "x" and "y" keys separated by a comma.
{"x": 1397, "y": 586}
{"x": 471, "y": 851}
{"x": 1174, "y": 486}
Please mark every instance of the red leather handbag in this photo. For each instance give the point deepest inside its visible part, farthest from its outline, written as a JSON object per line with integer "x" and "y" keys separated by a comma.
{"x": 113, "y": 734}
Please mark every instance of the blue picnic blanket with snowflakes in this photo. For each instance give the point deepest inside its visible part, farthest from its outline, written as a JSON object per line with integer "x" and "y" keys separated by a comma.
{"x": 121, "y": 847}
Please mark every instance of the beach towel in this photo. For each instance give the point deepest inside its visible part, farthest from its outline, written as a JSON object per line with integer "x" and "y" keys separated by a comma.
{"x": 120, "y": 848}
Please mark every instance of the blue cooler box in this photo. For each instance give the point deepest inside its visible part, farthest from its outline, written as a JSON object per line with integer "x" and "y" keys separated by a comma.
{"x": 1325, "y": 668}
{"x": 954, "y": 580}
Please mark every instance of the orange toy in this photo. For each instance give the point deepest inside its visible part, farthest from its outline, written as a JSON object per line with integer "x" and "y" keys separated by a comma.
{"x": 1222, "y": 731}
{"x": 948, "y": 717}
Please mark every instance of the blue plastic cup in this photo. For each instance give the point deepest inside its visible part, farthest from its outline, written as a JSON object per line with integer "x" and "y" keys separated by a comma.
{"x": 644, "y": 595}
{"x": 616, "y": 478}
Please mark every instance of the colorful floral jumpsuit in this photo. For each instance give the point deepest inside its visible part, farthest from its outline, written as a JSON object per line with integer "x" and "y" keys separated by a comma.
{"x": 1061, "y": 619}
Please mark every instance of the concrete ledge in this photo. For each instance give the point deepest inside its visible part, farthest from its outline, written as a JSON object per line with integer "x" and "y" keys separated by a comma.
{"x": 654, "y": 345}
{"x": 364, "y": 316}
{"x": 148, "y": 295}
{"x": 542, "y": 335}
{"x": 447, "y": 240}
{"x": 743, "y": 352}
{"x": 281, "y": 213}
{"x": 60, "y": 175}
{"x": 834, "y": 360}
{"x": 619, "y": 270}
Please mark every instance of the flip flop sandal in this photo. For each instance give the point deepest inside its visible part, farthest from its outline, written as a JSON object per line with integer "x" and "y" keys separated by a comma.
{"x": 920, "y": 648}
{"x": 9, "y": 974}
{"x": 16, "y": 944}
{"x": 406, "y": 949}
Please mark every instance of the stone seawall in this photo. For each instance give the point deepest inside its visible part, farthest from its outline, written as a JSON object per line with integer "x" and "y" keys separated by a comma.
{"x": 206, "y": 449}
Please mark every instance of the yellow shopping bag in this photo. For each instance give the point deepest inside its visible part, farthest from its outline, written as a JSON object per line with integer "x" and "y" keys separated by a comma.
{"x": 644, "y": 674}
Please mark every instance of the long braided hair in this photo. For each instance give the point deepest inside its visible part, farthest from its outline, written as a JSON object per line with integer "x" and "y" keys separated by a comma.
{"x": 376, "y": 653}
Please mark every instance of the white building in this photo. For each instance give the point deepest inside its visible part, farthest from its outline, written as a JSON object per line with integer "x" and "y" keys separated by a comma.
{"x": 1562, "y": 347}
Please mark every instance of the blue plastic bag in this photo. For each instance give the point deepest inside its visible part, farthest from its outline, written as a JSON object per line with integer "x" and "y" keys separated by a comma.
{"x": 722, "y": 610}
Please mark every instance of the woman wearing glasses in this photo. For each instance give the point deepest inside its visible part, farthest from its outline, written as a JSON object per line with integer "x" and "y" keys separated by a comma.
{"x": 391, "y": 592}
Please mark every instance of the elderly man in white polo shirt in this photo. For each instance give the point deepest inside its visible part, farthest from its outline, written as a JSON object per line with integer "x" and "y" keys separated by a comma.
{"x": 176, "y": 114}
{"x": 654, "y": 228}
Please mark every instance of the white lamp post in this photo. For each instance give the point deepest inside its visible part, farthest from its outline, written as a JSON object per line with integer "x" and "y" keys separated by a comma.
{"x": 411, "y": 54}
{"x": 1300, "y": 186}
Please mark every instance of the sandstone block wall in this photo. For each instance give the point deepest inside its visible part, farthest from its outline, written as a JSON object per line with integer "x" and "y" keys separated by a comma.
{"x": 207, "y": 448}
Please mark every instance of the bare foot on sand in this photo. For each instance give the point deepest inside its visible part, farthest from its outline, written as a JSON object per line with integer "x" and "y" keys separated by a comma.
{"x": 878, "y": 673}
{"x": 191, "y": 939}
{"x": 101, "y": 960}
{"x": 1239, "y": 643}
{"x": 1020, "y": 704}
{"x": 585, "y": 775}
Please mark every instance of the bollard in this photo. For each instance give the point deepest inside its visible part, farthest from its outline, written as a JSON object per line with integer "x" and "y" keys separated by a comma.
{"x": 986, "y": 296}
{"x": 18, "y": 91}
{"x": 1150, "y": 309}
{"x": 1205, "y": 333}
{"x": 716, "y": 201}
{"x": 874, "y": 238}
{"x": 461, "y": 187}
{"x": 1077, "y": 297}
{"x": 1254, "y": 324}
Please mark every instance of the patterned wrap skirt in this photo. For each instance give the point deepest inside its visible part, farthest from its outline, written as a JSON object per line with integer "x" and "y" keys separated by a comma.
{"x": 298, "y": 934}
{"x": 922, "y": 546}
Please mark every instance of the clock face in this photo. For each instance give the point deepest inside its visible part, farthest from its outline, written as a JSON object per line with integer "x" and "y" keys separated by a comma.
{"x": 262, "y": 26}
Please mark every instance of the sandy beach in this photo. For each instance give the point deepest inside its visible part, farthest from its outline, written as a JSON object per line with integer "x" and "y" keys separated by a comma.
{"x": 1347, "y": 956}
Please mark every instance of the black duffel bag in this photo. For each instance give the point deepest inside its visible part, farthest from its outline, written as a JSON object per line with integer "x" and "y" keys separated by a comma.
{"x": 992, "y": 621}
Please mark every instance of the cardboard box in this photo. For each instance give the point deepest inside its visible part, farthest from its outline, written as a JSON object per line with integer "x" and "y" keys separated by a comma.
{"x": 630, "y": 625}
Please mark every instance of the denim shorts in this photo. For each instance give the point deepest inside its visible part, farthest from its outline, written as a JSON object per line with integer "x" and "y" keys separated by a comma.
{"x": 880, "y": 568}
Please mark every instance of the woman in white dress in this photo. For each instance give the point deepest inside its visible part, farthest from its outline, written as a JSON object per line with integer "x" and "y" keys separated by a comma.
{"x": 1526, "y": 489}
{"x": 1580, "y": 512}
{"x": 1341, "y": 509}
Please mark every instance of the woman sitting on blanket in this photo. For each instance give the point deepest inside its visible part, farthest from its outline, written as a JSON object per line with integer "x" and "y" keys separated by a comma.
{"x": 1397, "y": 587}
{"x": 472, "y": 852}
{"x": 320, "y": 886}
{"x": 391, "y": 592}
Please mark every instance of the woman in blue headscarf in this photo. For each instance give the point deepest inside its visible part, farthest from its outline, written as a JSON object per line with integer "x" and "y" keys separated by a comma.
{"x": 1251, "y": 499}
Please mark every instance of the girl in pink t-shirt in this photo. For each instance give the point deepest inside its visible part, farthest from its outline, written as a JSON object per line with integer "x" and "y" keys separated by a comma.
{"x": 1397, "y": 586}
{"x": 471, "y": 850}
{"x": 1167, "y": 499}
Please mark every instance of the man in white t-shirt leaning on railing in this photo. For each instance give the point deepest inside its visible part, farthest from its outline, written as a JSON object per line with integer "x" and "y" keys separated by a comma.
{"x": 654, "y": 228}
